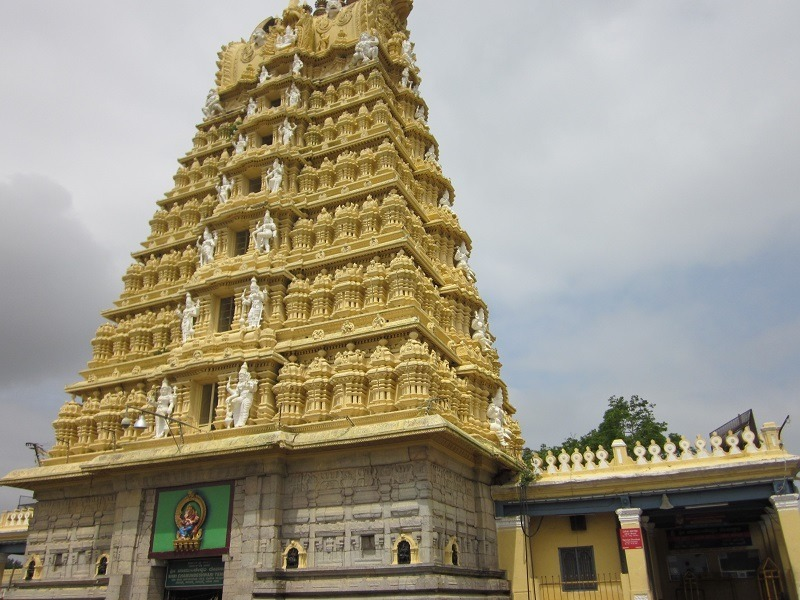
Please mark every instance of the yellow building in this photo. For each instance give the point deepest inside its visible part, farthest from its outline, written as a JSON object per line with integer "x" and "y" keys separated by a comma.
{"x": 716, "y": 519}
{"x": 297, "y": 391}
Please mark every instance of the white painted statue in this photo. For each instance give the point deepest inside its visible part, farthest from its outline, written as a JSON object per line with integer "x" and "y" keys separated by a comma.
{"x": 259, "y": 37}
{"x": 240, "y": 398}
{"x": 240, "y": 146}
{"x": 405, "y": 79}
{"x": 297, "y": 65}
{"x": 164, "y": 405}
{"x": 333, "y": 7}
{"x": 408, "y": 53}
{"x": 189, "y": 313}
{"x": 224, "y": 190}
{"x": 446, "y": 202}
{"x": 366, "y": 48}
{"x": 481, "y": 330}
{"x": 293, "y": 95}
{"x": 266, "y": 231}
{"x": 275, "y": 177}
{"x": 252, "y": 107}
{"x": 213, "y": 105}
{"x": 461, "y": 259}
{"x": 253, "y": 303}
{"x": 430, "y": 155}
{"x": 206, "y": 246}
{"x": 420, "y": 115}
{"x": 263, "y": 75}
{"x": 496, "y": 416}
{"x": 286, "y": 39}
{"x": 286, "y": 131}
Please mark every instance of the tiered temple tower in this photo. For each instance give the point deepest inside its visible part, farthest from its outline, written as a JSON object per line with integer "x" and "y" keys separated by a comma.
{"x": 302, "y": 324}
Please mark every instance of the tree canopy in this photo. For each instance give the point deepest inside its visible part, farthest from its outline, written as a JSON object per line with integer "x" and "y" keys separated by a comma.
{"x": 630, "y": 420}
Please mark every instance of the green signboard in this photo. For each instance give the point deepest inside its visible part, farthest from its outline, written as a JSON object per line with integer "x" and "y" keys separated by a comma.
{"x": 195, "y": 573}
{"x": 191, "y": 521}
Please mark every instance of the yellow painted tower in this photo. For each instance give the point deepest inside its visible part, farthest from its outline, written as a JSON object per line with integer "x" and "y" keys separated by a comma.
{"x": 297, "y": 389}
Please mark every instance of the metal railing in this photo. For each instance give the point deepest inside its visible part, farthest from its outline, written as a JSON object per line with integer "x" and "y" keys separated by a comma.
{"x": 606, "y": 586}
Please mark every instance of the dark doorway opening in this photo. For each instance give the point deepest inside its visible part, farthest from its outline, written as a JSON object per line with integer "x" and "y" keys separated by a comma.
{"x": 213, "y": 594}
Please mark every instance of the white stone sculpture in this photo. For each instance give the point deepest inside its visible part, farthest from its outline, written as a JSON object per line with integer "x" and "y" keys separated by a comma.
{"x": 366, "y": 48}
{"x": 481, "y": 330}
{"x": 266, "y": 231}
{"x": 420, "y": 115}
{"x": 405, "y": 79}
{"x": 333, "y": 7}
{"x": 286, "y": 131}
{"x": 263, "y": 75}
{"x": 240, "y": 398}
{"x": 275, "y": 177}
{"x": 213, "y": 105}
{"x": 240, "y": 145}
{"x": 408, "y": 53}
{"x": 286, "y": 39}
{"x": 189, "y": 313}
{"x": 430, "y": 155}
{"x": 252, "y": 305}
{"x": 496, "y": 416}
{"x": 252, "y": 107}
{"x": 224, "y": 190}
{"x": 297, "y": 65}
{"x": 446, "y": 202}
{"x": 164, "y": 405}
{"x": 461, "y": 259}
{"x": 206, "y": 246}
{"x": 293, "y": 95}
{"x": 259, "y": 37}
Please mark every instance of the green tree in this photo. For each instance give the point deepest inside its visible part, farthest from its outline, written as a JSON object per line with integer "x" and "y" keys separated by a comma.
{"x": 629, "y": 420}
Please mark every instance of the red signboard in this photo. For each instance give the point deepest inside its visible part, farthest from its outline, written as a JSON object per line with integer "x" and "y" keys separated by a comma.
{"x": 631, "y": 539}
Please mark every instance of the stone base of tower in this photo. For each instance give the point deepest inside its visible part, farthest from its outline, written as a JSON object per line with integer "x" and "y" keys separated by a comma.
{"x": 393, "y": 510}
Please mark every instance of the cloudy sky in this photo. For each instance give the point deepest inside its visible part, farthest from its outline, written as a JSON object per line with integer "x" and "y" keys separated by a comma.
{"x": 628, "y": 172}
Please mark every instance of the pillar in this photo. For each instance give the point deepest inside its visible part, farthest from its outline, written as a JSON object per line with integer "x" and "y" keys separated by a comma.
{"x": 3, "y": 559}
{"x": 513, "y": 556}
{"x": 650, "y": 528}
{"x": 787, "y": 508}
{"x": 629, "y": 519}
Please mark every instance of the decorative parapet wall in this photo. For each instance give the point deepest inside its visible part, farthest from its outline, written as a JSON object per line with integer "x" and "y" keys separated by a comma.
{"x": 684, "y": 454}
{"x": 15, "y": 520}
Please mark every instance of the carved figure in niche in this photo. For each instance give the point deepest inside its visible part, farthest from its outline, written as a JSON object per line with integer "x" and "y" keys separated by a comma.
{"x": 430, "y": 155}
{"x": 275, "y": 176}
{"x": 164, "y": 405}
{"x": 333, "y": 7}
{"x": 405, "y": 79}
{"x": 253, "y": 302}
{"x": 286, "y": 39}
{"x": 286, "y": 131}
{"x": 293, "y": 96}
{"x": 496, "y": 416}
{"x": 265, "y": 232}
{"x": 213, "y": 105}
{"x": 240, "y": 399}
{"x": 366, "y": 49}
{"x": 461, "y": 258}
{"x": 189, "y": 313}
{"x": 481, "y": 330}
{"x": 259, "y": 37}
{"x": 408, "y": 53}
{"x": 446, "y": 202}
{"x": 297, "y": 65}
{"x": 206, "y": 246}
{"x": 420, "y": 115}
{"x": 189, "y": 521}
{"x": 263, "y": 75}
{"x": 224, "y": 190}
{"x": 241, "y": 145}
{"x": 252, "y": 107}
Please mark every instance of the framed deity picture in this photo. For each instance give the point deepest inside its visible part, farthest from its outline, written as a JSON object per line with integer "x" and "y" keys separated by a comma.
{"x": 190, "y": 522}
